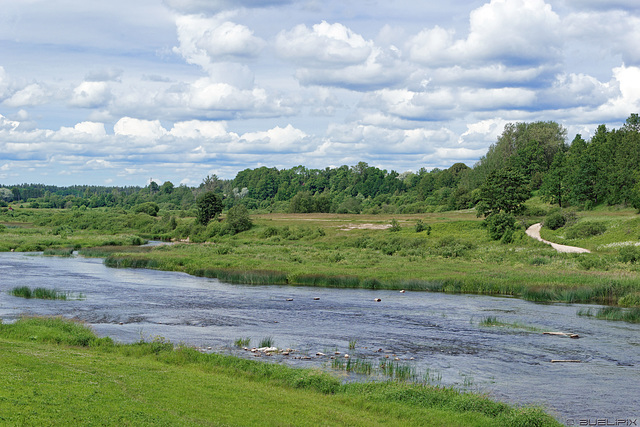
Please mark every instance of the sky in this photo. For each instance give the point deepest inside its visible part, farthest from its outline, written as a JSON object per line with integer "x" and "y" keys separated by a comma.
{"x": 124, "y": 92}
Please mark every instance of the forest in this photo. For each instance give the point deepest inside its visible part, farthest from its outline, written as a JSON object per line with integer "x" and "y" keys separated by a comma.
{"x": 584, "y": 173}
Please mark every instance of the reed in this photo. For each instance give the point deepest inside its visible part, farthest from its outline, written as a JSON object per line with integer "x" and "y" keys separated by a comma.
{"x": 397, "y": 371}
{"x": 631, "y": 315}
{"x": 266, "y": 342}
{"x": 39, "y": 293}
{"x": 64, "y": 252}
{"x": 355, "y": 365}
{"x": 242, "y": 342}
{"x": 246, "y": 277}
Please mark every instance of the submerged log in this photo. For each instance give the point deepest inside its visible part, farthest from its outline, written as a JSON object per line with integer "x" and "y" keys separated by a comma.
{"x": 564, "y": 334}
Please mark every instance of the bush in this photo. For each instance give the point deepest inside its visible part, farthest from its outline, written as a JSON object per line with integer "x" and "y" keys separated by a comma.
{"x": 500, "y": 224}
{"x": 395, "y": 225}
{"x": 629, "y": 254}
{"x": 586, "y": 229}
{"x": 238, "y": 219}
{"x": 555, "y": 220}
{"x": 149, "y": 208}
{"x": 421, "y": 226}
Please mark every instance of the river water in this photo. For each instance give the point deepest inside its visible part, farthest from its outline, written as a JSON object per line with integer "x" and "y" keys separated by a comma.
{"x": 436, "y": 334}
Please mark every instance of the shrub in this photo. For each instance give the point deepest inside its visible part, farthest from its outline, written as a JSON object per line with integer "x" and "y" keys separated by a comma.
{"x": 499, "y": 224}
{"x": 629, "y": 254}
{"x": 149, "y": 208}
{"x": 395, "y": 225}
{"x": 555, "y": 220}
{"x": 421, "y": 226}
{"x": 586, "y": 229}
{"x": 238, "y": 219}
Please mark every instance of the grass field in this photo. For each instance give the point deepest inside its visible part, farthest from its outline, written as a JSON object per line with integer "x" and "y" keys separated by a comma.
{"x": 56, "y": 372}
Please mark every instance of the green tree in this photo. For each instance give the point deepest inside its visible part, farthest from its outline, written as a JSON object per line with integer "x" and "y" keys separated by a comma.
{"x": 209, "y": 205}
{"x": 238, "y": 219}
{"x": 504, "y": 190}
{"x": 554, "y": 184}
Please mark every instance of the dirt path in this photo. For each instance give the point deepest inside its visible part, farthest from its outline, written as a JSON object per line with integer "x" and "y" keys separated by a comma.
{"x": 534, "y": 231}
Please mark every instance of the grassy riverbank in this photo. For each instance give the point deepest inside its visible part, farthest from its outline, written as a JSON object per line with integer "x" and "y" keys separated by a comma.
{"x": 455, "y": 255}
{"x": 57, "y": 372}
{"x": 451, "y": 253}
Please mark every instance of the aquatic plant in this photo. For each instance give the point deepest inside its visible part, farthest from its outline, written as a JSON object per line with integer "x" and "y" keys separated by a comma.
{"x": 40, "y": 293}
{"x": 242, "y": 342}
{"x": 249, "y": 277}
{"x": 352, "y": 344}
{"x": 355, "y": 365}
{"x": 266, "y": 342}
{"x": 397, "y": 371}
{"x": 631, "y": 315}
{"x": 58, "y": 251}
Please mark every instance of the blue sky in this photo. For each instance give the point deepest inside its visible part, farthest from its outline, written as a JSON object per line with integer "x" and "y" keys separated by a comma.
{"x": 120, "y": 92}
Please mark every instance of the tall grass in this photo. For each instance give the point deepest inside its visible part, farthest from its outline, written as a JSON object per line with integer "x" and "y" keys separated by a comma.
{"x": 40, "y": 293}
{"x": 398, "y": 371}
{"x": 355, "y": 365}
{"x": 266, "y": 342}
{"x": 249, "y": 277}
{"x": 65, "y": 252}
{"x": 631, "y": 315}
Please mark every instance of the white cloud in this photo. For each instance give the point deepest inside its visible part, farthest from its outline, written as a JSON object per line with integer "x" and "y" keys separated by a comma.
{"x": 514, "y": 32}
{"x": 203, "y": 41}
{"x": 147, "y": 129}
{"x": 483, "y": 133}
{"x": 30, "y": 96}
{"x": 333, "y": 55}
{"x": 91, "y": 95}
{"x": 199, "y": 129}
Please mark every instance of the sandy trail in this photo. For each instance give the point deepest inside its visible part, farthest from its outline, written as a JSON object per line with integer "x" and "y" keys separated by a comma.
{"x": 534, "y": 231}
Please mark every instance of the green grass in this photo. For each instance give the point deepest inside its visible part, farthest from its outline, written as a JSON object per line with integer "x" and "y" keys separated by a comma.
{"x": 266, "y": 342}
{"x": 356, "y": 365}
{"x": 631, "y": 315}
{"x": 56, "y": 372}
{"x": 456, "y": 257}
{"x": 242, "y": 342}
{"x": 331, "y": 250}
{"x": 490, "y": 321}
{"x": 40, "y": 293}
{"x": 65, "y": 252}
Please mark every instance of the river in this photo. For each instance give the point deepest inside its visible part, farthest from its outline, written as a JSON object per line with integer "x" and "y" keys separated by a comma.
{"x": 434, "y": 333}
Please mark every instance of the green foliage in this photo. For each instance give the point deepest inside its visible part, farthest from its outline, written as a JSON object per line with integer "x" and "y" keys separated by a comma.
{"x": 266, "y": 342}
{"x": 629, "y": 254}
{"x": 586, "y": 229}
{"x": 631, "y": 315}
{"x": 209, "y": 205}
{"x": 504, "y": 190}
{"x": 395, "y": 226}
{"x": 242, "y": 342}
{"x": 421, "y": 226}
{"x": 150, "y": 208}
{"x": 238, "y": 219}
{"x": 39, "y": 293}
{"x": 630, "y": 300}
{"x": 501, "y": 226}
{"x": 555, "y": 220}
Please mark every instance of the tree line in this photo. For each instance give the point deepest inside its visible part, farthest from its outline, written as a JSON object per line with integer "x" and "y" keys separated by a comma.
{"x": 602, "y": 170}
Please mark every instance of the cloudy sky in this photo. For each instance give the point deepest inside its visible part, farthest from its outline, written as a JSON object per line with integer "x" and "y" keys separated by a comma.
{"x": 120, "y": 92}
